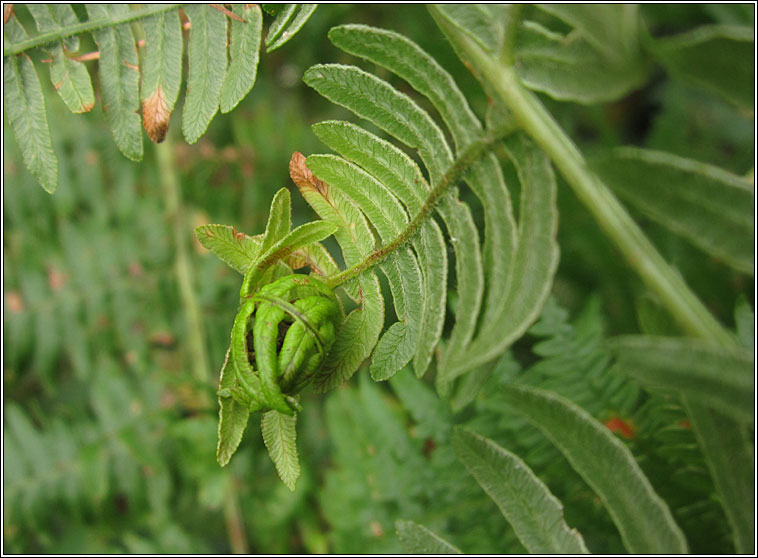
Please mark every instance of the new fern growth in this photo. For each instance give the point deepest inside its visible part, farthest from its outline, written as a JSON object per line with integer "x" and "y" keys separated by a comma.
{"x": 140, "y": 54}
{"x": 383, "y": 212}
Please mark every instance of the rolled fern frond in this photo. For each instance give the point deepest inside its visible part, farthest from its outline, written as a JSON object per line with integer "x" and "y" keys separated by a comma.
{"x": 280, "y": 339}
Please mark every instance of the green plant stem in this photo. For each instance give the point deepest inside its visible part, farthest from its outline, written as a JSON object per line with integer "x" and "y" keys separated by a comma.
{"x": 235, "y": 526}
{"x": 195, "y": 336}
{"x": 175, "y": 214}
{"x": 91, "y": 25}
{"x": 615, "y": 221}
{"x": 454, "y": 174}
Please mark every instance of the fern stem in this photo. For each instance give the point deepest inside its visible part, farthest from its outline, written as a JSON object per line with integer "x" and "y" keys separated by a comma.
{"x": 175, "y": 213}
{"x": 612, "y": 217}
{"x": 235, "y": 526}
{"x": 85, "y": 26}
{"x": 454, "y": 174}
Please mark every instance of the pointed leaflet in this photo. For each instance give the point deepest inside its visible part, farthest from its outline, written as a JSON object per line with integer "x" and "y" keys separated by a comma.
{"x": 279, "y": 219}
{"x": 299, "y": 237}
{"x": 287, "y": 24}
{"x": 417, "y": 539}
{"x": 69, "y": 77}
{"x": 375, "y": 100}
{"x": 707, "y": 205}
{"x": 235, "y": 249}
{"x": 232, "y": 416}
{"x": 244, "y": 55}
{"x": 710, "y": 375}
{"x": 534, "y": 513}
{"x": 397, "y": 172}
{"x": 206, "y": 56}
{"x": 119, "y": 79}
{"x": 161, "y": 72}
{"x": 360, "y": 330}
{"x": 25, "y": 108}
{"x": 277, "y": 226}
{"x": 280, "y": 436}
{"x": 534, "y": 262}
{"x": 606, "y": 464}
{"x": 283, "y": 17}
{"x": 401, "y": 268}
{"x": 719, "y": 58}
{"x": 403, "y": 57}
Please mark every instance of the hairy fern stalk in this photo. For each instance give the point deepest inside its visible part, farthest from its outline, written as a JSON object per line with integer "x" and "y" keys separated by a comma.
{"x": 140, "y": 59}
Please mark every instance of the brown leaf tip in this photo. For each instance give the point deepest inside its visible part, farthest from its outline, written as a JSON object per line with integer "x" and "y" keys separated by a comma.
{"x": 155, "y": 115}
{"x": 303, "y": 177}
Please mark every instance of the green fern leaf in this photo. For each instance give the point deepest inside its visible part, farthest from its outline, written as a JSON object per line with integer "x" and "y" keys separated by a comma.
{"x": 607, "y": 465}
{"x": 232, "y": 417}
{"x": 161, "y": 72}
{"x": 395, "y": 170}
{"x": 244, "y": 53}
{"x": 301, "y": 236}
{"x": 69, "y": 77}
{"x": 401, "y": 268}
{"x": 279, "y": 435}
{"x": 284, "y": 14}
{"x": 729, "y": 452}
{"x": 360, "y": 330}
{"x": 708, "y": 206}
{"x": 288, "y": 22}
{"x": 534, "y": 263}
{"x": 237, "y": 250}
{"x": 25, "y": 108}
{"x": 119, "y": 78}
{"x": 375, "y": 100}
{"x": 711, "y": 375}
{"x": 356, "y": 338}
{"x": 404, "y": 58}
{"x": 417, "y": 539}
{"x": 279, "y": 219}
{"x": 528, "y": 505}
{"x": 207, "y": 68}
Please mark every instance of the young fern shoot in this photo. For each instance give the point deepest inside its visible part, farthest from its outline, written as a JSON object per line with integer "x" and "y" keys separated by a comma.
{"x": 383, "y": 213}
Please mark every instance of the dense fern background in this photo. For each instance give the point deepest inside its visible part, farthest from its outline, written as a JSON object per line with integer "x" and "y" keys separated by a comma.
{"x": 109, "y": 440}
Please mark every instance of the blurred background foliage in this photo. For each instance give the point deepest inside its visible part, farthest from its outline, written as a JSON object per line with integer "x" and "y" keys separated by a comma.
{"x": 109, "y": 439}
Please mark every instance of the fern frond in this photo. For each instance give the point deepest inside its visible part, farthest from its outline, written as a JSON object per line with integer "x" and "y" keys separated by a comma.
{"x": 516, "y": 268}
{"x": 212, "y": 83}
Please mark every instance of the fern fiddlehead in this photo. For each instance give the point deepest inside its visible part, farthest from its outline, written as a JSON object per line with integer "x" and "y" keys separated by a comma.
{"x": 280, "y": 339}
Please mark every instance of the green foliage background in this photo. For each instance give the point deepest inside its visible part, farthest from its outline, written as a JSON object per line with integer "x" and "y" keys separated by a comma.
{"x": 109, "y": 441}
